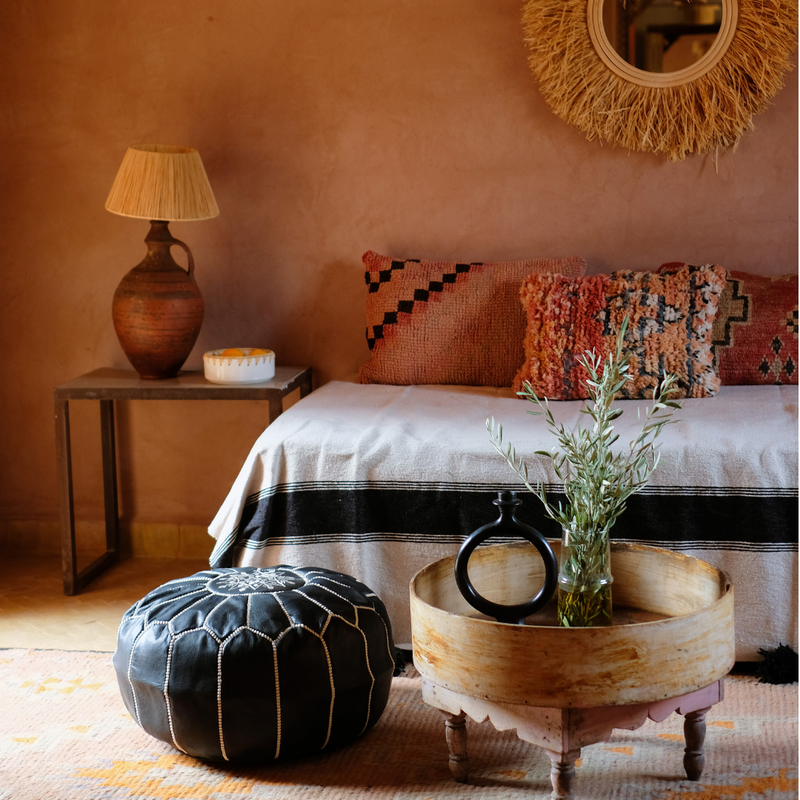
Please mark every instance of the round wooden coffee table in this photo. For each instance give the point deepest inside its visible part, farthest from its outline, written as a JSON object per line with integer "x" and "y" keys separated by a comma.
{"x": 671, "y": 645}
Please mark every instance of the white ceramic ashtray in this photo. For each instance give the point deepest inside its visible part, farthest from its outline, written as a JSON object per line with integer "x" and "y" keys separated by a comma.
{"x": 239, "y": 365}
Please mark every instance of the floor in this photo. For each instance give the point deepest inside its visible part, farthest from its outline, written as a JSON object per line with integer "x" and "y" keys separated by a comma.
{"x": 35, "y": 613}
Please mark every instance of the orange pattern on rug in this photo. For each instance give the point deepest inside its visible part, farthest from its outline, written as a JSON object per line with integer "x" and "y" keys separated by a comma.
{"x": 82, "y": 745}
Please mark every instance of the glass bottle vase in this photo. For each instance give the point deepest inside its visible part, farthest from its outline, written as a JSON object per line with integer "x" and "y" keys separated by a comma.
{"x": 584, "y": 579}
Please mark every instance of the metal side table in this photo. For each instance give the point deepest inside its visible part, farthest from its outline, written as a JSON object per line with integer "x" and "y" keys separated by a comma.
{"x": 107, "y": 385}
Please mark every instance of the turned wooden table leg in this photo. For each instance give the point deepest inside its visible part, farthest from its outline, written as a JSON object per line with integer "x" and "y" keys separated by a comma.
{"x": 562, "y": 773}
{"x": 694, "y": 732}
{"x": 456, "y": 731}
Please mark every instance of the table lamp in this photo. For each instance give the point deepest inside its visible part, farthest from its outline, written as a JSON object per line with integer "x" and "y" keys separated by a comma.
{"x": 157, "y": 308}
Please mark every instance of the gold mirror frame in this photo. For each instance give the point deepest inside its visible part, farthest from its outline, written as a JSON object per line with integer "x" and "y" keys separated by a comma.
{"x": 618, "y": 65}
{"x": 701, "y": 109}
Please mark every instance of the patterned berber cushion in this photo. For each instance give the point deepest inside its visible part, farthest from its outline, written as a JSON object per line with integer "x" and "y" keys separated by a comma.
{"x": 671, "y": 317}
{"x": 447, "y": 322}
{"x": 251, "y": 664}
{"x": 755, "y": 331}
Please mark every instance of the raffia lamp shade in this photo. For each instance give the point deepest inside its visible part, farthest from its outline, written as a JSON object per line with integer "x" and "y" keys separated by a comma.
{"x": 159, "y": 181}
{"x": 158, "y": 309}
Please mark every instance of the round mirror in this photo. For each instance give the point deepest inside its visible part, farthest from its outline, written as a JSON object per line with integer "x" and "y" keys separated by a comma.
{"x": 662, "y": 35}
{"x": 700, "y": 105}
{"x": 661, "y": 42}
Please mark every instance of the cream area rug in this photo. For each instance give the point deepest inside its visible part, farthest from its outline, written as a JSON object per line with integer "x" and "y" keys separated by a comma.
{"x": 65, "y": 734}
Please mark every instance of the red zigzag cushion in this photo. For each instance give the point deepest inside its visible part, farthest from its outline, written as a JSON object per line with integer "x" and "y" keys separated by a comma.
{"x": 448, "y": 322}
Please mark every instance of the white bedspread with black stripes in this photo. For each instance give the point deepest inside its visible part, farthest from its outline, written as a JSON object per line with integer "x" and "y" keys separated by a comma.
{"x": 377, "y": 481}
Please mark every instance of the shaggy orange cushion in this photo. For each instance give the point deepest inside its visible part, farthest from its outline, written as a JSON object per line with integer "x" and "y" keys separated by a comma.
{"x": 446, "y": 321}
{"x": 669, "y": 331}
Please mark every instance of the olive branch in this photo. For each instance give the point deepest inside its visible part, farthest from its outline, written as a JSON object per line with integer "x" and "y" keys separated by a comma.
{"x": 597, "y": 481}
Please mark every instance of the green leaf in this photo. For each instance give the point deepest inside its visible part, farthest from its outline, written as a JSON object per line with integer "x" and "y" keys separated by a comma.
{"x": 596, "y": 479}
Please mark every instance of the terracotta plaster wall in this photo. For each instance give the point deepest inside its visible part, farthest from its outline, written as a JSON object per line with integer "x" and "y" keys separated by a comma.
{"x": 327, "y": 128}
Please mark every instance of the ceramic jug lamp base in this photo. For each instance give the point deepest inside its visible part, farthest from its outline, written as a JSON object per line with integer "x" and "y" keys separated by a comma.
{"x": 158, "y": 309}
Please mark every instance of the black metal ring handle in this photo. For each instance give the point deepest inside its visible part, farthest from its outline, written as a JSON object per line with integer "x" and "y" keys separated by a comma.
{"x": 506, "y": 524}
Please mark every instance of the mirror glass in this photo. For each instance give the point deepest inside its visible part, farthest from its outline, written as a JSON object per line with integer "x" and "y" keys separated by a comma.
{"x": 662, "y": 36}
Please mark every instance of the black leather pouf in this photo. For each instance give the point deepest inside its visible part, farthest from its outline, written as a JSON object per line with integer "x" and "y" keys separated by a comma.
{"x": 250, "y": 664}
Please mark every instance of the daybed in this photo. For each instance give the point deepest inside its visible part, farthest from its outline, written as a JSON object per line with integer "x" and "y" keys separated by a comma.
{"x": 378, "y": 480}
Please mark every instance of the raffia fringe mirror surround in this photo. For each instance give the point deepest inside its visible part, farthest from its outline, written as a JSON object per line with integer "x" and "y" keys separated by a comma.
{"x": 699, "y": 109}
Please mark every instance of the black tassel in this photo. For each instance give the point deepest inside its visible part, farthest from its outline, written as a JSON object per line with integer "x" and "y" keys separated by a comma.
{"x": 402, "y": 658}
{"x": 778, "y": 666}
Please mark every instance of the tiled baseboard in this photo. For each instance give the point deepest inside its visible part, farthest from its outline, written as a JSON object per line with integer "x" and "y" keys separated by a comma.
{"x": 141, "y": 539}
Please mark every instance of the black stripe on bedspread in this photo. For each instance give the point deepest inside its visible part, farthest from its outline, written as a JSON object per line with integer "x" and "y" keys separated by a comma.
{"x": 766, "y": 521}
